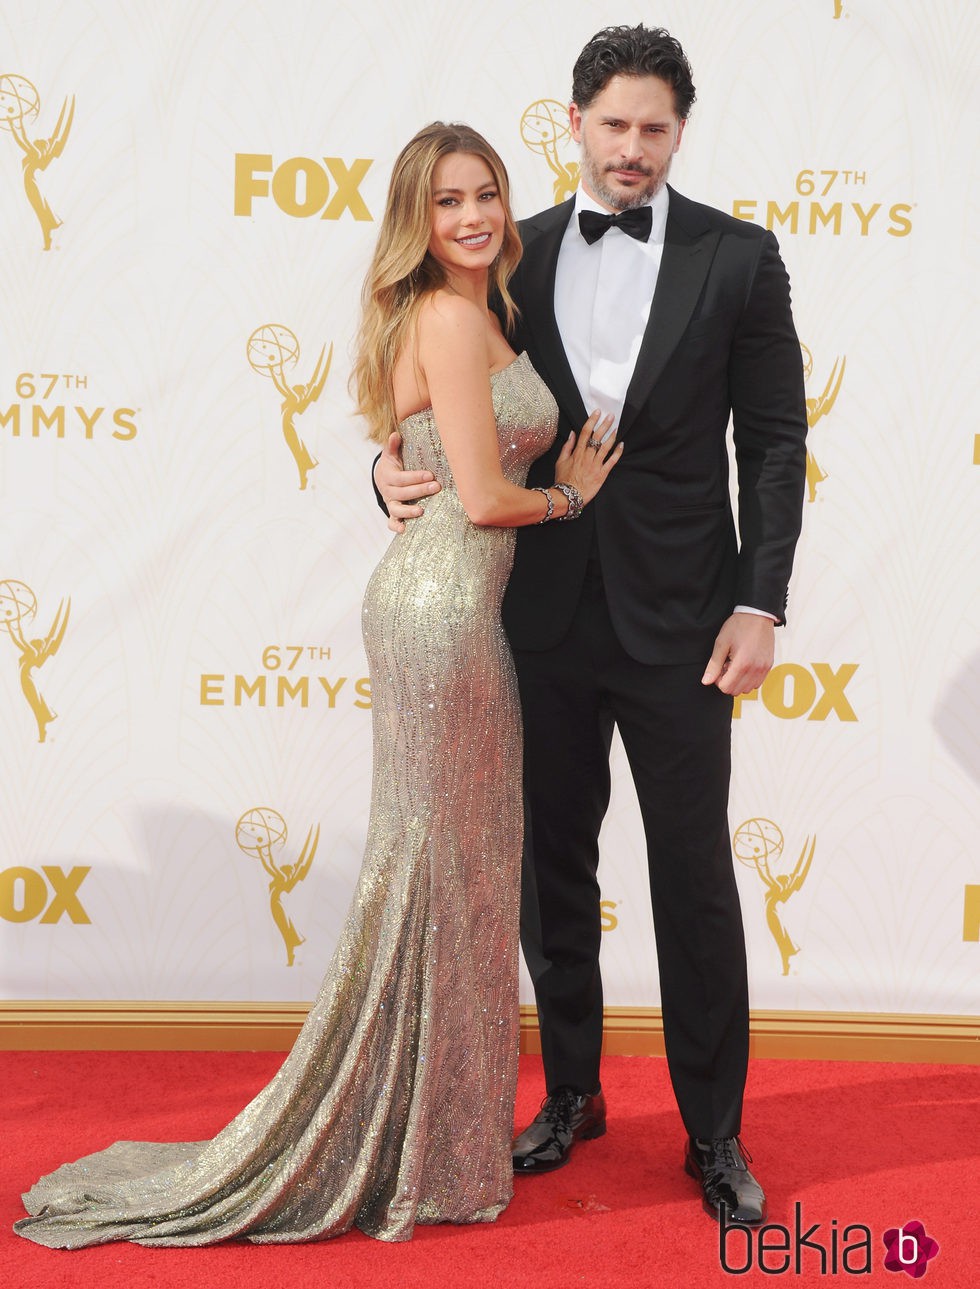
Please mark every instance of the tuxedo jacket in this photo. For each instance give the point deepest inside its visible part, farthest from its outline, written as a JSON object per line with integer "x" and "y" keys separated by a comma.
{"x": 720, "y": 341}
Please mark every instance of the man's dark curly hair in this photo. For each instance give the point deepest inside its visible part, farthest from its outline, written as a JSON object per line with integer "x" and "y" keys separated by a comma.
{"x": 632, "y": 51}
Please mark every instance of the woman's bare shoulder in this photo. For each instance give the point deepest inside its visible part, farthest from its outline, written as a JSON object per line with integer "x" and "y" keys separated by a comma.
{"x": 445, "y": 316}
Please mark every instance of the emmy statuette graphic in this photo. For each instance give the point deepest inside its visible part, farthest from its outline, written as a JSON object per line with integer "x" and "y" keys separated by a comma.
{"x": 20, "y": 104}
{"x": 258, "y": 833}
{"x": 758, "y": 844}
{"x": 545, "y": 126}
{"x": 18, "y": 606}
{"x": 270, "y": 348}
{"x": 815, "y": 409}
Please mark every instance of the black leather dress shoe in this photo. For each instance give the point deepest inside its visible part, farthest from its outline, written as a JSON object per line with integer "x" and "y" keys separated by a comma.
{"x": 565, "y": 1117}
{"x": 721, "y": 1168}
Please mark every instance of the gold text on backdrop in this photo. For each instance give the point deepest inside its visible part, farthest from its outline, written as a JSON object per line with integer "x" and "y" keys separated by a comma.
{"x": 971, "y": 913}
{"x": 825, "y": 209}
{"x": 791, "y": 691}
{"x": 301, "y": 187}
{"x": 36, "y": 414}
{"x": 24, "y": 894}
{"x": 278, "y": 690}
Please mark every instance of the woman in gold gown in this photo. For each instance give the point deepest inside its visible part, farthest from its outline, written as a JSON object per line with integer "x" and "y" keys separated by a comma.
{"x": 395, "y": 1105}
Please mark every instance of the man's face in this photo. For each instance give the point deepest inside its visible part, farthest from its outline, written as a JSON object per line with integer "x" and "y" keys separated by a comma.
{"x": 629, "y": 134}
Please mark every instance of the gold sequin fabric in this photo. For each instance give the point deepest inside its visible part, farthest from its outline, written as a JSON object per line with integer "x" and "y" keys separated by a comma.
{"x": 395, "y": 1106}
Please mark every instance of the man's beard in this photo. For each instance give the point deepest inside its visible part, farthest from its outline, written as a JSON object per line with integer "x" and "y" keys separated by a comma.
{"x": 622, "y": 199}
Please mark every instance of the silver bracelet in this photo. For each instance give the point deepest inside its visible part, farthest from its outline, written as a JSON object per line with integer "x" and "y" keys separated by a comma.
{"x": 549, "y": 513}
{"x": 574, "y": 499}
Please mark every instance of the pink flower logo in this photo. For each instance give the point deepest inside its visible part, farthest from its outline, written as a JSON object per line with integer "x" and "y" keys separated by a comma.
{"x": 909, "y": 1249}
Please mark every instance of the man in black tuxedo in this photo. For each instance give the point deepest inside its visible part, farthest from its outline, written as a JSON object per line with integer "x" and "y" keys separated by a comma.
{"x": 649, "y": 614}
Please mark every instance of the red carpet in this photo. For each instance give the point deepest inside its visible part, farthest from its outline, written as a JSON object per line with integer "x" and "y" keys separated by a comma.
{"x": 852, "y": 1144}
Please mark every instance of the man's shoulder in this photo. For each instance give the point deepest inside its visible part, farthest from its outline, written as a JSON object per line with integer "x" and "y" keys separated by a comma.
{"x": 550, "y": 220}
{"x": 697, "y": 217}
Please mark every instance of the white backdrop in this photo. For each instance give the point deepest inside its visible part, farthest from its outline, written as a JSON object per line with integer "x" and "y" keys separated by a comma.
{"x": 180, "y": 619}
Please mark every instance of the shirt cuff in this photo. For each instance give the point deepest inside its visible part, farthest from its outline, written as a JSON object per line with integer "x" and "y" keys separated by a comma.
{"x": 759, "y": 613}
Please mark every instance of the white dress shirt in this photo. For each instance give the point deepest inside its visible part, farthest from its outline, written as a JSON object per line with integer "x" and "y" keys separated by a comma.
{"x": 603, "y": 295}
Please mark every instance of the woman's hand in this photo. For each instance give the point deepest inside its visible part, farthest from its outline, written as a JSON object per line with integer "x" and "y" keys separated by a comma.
{"x": 585, "y": 461}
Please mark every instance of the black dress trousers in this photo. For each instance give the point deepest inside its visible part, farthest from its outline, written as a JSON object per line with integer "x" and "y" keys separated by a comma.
{"x": 677, "y": 737}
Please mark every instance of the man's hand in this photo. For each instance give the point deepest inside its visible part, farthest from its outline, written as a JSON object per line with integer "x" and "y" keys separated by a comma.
{"x": 743, "y": 654}
{"x": 401, "y": 489}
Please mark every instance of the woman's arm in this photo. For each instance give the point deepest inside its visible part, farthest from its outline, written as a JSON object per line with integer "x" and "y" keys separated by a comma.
{"x": 454, "y": 358}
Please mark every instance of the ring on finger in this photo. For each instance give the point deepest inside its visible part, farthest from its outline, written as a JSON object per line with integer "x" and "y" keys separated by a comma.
{"x": 594, "y": 443}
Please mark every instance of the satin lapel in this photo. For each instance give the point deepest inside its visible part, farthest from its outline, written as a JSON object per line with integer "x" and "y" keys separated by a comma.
{"x": 686, "y": 260}
{"x": 543, "y": 237}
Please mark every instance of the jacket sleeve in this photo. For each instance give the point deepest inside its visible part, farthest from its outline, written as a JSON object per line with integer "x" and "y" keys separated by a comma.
{"x": 377, "y": 495}
{"x": 769, "y": 425}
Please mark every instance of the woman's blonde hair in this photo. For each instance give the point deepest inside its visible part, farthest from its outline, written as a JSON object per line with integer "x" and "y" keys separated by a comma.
{"x": 403, "y": 273}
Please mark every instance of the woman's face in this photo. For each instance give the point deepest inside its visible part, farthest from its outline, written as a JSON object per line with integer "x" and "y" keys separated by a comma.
{"x": 467, "y": 214}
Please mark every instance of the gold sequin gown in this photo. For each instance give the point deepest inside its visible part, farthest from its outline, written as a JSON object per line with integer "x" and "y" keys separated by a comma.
{"x": 395, "y": 1105}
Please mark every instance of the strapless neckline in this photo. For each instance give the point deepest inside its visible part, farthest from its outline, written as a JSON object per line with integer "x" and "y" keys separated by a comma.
{"x": 427, "y": 411}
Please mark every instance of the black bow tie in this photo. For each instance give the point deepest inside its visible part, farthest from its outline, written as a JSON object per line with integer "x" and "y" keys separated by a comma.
{"x": 635, "y": 223}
